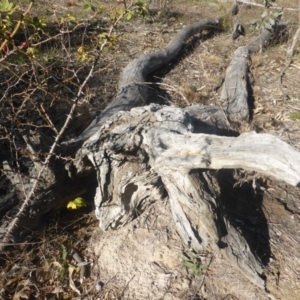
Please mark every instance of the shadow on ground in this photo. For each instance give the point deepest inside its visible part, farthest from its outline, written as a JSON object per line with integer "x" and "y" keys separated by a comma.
{"x": 241, "y": 204}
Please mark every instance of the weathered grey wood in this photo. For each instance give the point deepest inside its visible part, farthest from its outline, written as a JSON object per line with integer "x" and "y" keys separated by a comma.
{"x": 133, "y": 89}
{"x": 193, "y": 207}
{"x": 132, "y": 92}
{"x": 263, "y": 153}
{"x": 238, "y": 30}
{"x": 140, "y": 153}
{"x": 209, "y": 119}
{"x": 163, "y": 135}
{"x": 151, "y": 154}
{"x": 236, "y": 91}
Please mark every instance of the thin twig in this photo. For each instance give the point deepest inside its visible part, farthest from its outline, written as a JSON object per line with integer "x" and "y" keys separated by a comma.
{"x": 290, "y": 53}
{"x": 51, "y": 153}
{"x": 261, "y": 5}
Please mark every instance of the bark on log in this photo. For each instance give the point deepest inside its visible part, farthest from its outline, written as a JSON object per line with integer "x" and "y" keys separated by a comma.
{"x": 133, "y": 88}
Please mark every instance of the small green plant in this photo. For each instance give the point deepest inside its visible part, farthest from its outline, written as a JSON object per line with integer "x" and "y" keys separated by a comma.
{"x": 96, "y": 9}
{"x": 111, "y": 40}
{"x": 65, "y": 262}
{"x": 64, "y": 265}
{"x": 77, "y": 203}
{"x": 108, "y": 40}
{"x": 295, "y": 116}
{"x": 6, "y": 10}
{"x": 268, "y": 18}
{"x": 35, "y": 22}
{"x": 139, "y": 9}
{"x": 58, "y": 268}
{"x": 193, "y": 263}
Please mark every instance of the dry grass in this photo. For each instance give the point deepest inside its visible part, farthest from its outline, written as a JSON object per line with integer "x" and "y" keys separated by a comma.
{"x": 40, "y": 269}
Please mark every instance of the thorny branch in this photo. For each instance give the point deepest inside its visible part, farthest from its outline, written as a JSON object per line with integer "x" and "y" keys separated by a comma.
{"x": 51, "y": 153}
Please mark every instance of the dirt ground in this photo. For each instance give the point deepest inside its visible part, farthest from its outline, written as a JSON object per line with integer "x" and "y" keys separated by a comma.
{"x": 266, "y": 211}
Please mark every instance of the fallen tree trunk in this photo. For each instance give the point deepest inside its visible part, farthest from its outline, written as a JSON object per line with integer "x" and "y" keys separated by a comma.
{"x": 133, "y": 90}
{"x": 131, "y": 146}
{"x": 144, "y": 156}
{"x": 141, "y": 155}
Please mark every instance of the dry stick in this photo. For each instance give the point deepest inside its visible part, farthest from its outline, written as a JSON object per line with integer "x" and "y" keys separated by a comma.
{"x": 290, "y": 51}
{"x": 21, "y": 79}
{"x": 51, "y": 125}
{"x": 261, "y": 5}
{"x": 13, "y": 223}
{"x": 57, "y": 35}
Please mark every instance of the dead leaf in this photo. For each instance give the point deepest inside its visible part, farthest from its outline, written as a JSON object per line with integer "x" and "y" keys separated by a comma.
{"x": 24, "y": 293}
{"x": 71, "y": 282}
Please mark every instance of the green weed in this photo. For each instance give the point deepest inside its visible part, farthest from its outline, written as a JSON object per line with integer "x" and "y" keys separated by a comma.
{"x": 295, "y": 116}
{"x": 193, "y": 263}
